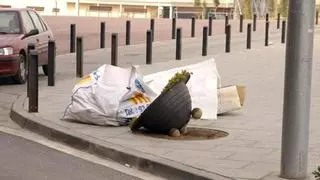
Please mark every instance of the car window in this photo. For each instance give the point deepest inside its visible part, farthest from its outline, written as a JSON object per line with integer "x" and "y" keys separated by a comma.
{"x": 43, "y": 24}
{"x": 9, "y": 22}
{"x": 27, "y": 21}
{"x": 36, "y": 21}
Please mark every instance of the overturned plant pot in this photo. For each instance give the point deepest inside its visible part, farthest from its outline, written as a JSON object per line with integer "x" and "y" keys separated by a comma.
{"x": 171, "y": 109}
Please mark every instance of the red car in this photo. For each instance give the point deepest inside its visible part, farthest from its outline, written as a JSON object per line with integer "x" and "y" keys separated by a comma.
{"x": 18, "y": 28}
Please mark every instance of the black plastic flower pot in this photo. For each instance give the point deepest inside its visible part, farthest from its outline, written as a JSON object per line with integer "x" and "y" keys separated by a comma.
{"x": 171, "y": 109}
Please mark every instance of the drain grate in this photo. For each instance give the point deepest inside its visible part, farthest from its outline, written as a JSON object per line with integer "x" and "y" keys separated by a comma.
{"x": 192, "y": 134}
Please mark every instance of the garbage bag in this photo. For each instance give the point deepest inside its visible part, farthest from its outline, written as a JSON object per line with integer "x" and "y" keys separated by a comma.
{"x": 109, "y": 96}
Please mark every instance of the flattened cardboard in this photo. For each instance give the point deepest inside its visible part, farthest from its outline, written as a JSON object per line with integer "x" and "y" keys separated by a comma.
{"x": 230, "y": 98}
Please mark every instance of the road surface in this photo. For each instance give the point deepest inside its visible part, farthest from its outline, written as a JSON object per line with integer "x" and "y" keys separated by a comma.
{"x": 27, "y": 160}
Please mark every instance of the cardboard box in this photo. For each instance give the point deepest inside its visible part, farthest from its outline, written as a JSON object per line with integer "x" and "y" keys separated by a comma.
{"x": 230, "y": 98}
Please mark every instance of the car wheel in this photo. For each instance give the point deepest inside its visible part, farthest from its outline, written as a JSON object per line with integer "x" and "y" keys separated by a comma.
{"x": 45, "y": 69}
{"x": 21, "y": 75}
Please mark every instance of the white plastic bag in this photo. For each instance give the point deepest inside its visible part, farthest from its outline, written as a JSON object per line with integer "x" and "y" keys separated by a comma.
{"x": 137, "y": 99}
{"x": 202, "y": 85}
{"x": 101, "y": 97}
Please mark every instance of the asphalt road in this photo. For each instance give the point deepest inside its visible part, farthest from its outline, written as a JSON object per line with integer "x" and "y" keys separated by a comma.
{"x": 27, "y": 160}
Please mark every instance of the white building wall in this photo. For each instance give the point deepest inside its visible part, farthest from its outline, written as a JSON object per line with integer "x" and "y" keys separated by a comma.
{"x": 47, "y": 4}
{"x": 62, "y": 5}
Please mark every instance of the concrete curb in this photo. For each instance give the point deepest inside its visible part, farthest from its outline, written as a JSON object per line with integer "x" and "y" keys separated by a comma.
{"x": 136, "y": 159}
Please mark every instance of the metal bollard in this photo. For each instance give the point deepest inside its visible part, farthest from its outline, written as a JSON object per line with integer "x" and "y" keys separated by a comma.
{"x": 266, "y": 39}
{"x": 128, "y": 32}
{"x": 34, "y": 86}
{"x": 174, "y": 27}
{"x": 193, "y": 27}
{"x": 31, "y": 46}
{"x": 102, "y": 34}
{"x": 178, "y": 44}
{"x": 317, "y": 17}
{"x": 254, "y": 22}
{"x": 226, "y": 22}
{"x": 249, "y": 36}
{"x": 114, "y": 49}
{"x": 149, "y": 47}
{"x": 283, "y": 32}
{"x": 267, "y": 17}
{"x": 228, "y": 38}
{"x": 241, "y": 23}
{"x": 79, "y": 58}
{"x": 210, "y": 26}
{"x": 205, "y": 41}
{"x": 278, "y": 21}
{"x": 152, "y": 28}
{"x": 51, "y": 63}
{"x": 72, "y": 38}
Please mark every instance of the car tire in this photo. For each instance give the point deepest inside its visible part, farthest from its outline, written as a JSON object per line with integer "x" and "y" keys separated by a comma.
{"x": 45, "y": 69}
{"x": 21, "y": 76}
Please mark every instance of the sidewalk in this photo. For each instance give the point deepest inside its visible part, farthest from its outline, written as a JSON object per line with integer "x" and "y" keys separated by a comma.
{"x": 250, "y": 151}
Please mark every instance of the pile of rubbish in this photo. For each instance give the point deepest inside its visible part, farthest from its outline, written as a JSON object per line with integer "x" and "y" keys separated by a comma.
{"x": 114, "y": 96}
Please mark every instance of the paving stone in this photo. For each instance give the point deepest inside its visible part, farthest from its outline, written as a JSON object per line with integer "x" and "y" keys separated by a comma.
{"x": 197, "y": 155}
{"x": 255, "y": 157}
{"x": 216, "y": 165}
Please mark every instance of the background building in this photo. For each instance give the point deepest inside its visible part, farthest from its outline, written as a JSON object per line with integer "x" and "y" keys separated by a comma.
{"x": 124, "y": 8}
{"x": 144, "y": 8}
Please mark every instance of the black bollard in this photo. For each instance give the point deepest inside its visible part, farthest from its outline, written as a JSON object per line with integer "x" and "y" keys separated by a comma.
{"x": 193, "y": 27}
{"x": 178, "y": 44}
{"x": 34, "y": 86}
{"x": 210, "y": 26}
{"x": 51, "y": 63}
{"x": 228, "y": 38}
{"x": 102, "y": 34}
{"x": 128, "y": 31}
{"x": 72, "y": 38}
{"x": 205, "y": 41}
{"x": 278, "y": 21}
{"x": 241, "y": 23}
{"x": 31, "y": 46}
{"x": 266, "y": 39}
{"x": 226, "y": 22}
{"x": 283, "y": 32}
{"x": 267, "y": 17}
{"x": 149, "y": 47}
{"x": 79, "y": 57}
{"x": 114, "y": 49}
{"x": 254, "y": 22}
{"x": 174, "y": 27}
{"x": 152, "y": 28}
{"x": 317, "y": 17}
{"x": 249, "y": 36}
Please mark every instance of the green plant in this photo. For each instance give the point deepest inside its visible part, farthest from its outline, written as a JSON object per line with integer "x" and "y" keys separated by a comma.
{"x": 316, "y": 173}
{"x": 247, "y": 10}
{"x": 204, "y": 4}
{"x": 216, "y": 3}
{"x": 284, "y": 8}
{"x": 205, "y": 9}
{"x": 196, "y": 2}
{"x": 178, "y": 77}
{"x": 272, "y": 7}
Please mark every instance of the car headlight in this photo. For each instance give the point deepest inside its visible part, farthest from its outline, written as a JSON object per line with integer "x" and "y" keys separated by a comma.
{"x": 6, "y": 51}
